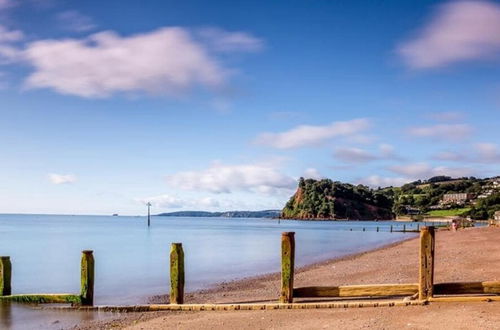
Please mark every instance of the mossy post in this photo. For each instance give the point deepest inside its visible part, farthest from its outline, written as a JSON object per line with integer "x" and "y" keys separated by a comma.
{"x": 87, "y": 278}
{"x": 176, "y": 274}
{"x": 426, "y": 265}
{"x": 5, "y": 276}
{"x": 287, "y": 266}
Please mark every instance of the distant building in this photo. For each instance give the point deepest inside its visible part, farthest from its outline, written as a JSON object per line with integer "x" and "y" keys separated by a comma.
{"x": 459, "y": 198}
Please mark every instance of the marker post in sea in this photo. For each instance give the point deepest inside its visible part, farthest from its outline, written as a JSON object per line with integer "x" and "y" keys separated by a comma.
{"x": 149, "y": 214}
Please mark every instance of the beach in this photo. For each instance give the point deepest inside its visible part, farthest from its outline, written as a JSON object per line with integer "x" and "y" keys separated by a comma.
{"x": 466, "y": 255}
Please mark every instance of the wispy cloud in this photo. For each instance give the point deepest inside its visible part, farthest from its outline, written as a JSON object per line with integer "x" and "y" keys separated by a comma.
{"x": 425, "y": 171}
{"x": 172, "y": 202}
{"x": 307, "y": 135}
{"x": 62, "y": 178}
{"x": 312, "y": 173}
{"x": 358, "y": 155}
{"x": 381, "y": 181}
{"x": 73, "y": 20}
{"x": 446, "y": 132}
{"x": 220, "y": 178}
{"x": 486, "y": 153}
{"x": 225, "y": 41}
{"x": 458, "y": 31}
{"x": 446, "y": 116}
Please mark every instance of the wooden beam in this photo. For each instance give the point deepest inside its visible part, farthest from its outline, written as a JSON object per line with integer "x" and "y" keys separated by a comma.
{"x": 492, "y": 287}
{"x": 176, "y": 274}
{"x": 246, "y": 307}
{"x": 44, "y": 298}
{"x": 426, "y": 265}
{"x": 357, "y": 290}
{"x": 464, "y": 299}
{"x": 5, "y": 276}
{"x": 287, "y": 266}
{"x": 87, "y": 278}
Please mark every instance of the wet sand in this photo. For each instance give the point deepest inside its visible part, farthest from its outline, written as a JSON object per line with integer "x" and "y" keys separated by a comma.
{"x": 466, "y": 255}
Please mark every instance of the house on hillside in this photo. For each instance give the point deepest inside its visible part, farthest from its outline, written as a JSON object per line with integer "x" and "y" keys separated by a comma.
{"x": 459, "y": 198}
{"x": 496, "y": 216}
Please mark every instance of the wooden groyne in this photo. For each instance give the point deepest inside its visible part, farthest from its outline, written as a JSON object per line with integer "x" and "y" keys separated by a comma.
{"x": 372, "y": 295}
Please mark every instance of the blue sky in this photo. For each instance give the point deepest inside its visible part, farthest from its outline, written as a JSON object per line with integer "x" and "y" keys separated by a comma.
{"x": 223, "y": 105}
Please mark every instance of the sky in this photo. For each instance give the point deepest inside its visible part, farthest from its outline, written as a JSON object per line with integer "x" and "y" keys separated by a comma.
{"x": 223, "y": 105}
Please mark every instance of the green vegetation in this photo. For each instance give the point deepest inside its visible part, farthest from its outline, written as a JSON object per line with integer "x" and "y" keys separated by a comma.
{"x": 450, "y": 212}
{"x": 326, "y": 199}
{"x": 44, "y": 299}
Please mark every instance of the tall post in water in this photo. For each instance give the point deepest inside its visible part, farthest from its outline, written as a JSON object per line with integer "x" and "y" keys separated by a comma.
{"x": 176, "y": 274}
{"x": 5, "y": 276}
{"x": 426, "y": 265}
{"x": 287, "y": 266}
{"x": 149, "y": 214}
{"x": 87, "y": 278}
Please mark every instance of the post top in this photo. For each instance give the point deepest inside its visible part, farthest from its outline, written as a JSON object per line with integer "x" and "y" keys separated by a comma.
{"x": 176, "y": 244}
{"x": 426, "y": 228}
{"x": 87, "y": 251}
{"x": 288, "y": 233}
{"x": 4, "y": 257}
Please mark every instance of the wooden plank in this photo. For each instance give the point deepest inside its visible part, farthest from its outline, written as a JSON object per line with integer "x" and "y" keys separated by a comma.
{"x": 5, "y": 276}
{"x": 287, "y": 266}
{"x": 176, "y": 274}
{"x": 426, "y": 265}
{"x": 87, "y": 278}
{"x": 357, "y": 290}
{"x": 246, "y": 307}
{"x": 464, "y": 299}
{"x": 44, "y": 298}
{"x": 492, "y": 287}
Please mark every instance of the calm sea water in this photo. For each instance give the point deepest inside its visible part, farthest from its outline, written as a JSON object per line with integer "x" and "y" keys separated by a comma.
{"x": 131, "y": 260}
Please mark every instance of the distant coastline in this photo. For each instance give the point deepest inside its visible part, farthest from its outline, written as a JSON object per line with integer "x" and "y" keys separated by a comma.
{"x": 227, "y": 214}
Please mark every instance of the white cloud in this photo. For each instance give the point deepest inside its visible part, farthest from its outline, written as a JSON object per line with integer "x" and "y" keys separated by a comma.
{"x": 379, "y": 181}
{"x": 220, "y": 178}
{"x": 449, "y": 156}
{"x": 425, "y": 171}
{"x": 459, "y": 31}
{"x": 449, "y": 132}
{"x": 74, "y": 21}
{"x": 4, "y": 4}
{"x": 488, "y": 152}
{"x": 224, "y": 41}
{"x": 7, "y": 35}
{"x": 167, "y": 61}
{"x": 354, "y": 155}
{"x": 306, "y": 135}
{"x": 62, "y": 178}
{"x": 312, "y": 173}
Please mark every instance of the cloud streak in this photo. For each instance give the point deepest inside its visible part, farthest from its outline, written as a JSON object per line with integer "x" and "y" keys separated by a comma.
{"x": 220, "y": 178}
{"x": 307, "y": 135}
{"x": 458, "y": 31}
{"x": 442, "y": 132}
{"x": 62, "y": 178}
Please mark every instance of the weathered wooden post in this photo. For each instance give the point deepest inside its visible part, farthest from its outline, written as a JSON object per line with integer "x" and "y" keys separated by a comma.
{"x": 287, "y": 266}
{"x": 404, "y": 228}
{"x": 5, "y": 276}
{"x": 391, "y": 228}
{"x": 87, "y": 278}
{"x": 377, "y": 229}
{"x": 176, "y": 274}
{"x": 426, "y": 266}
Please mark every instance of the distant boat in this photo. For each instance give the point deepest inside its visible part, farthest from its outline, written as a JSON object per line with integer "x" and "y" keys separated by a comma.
{"x": 115, "y": 214}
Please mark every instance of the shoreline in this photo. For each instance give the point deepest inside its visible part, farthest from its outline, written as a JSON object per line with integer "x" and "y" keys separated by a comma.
{"x": 459, "y": 257}
{"x": 190, "y": 296}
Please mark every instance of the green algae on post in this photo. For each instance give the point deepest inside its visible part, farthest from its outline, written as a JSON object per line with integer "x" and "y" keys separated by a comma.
{"x": 87, "y": 278}
{"x": 287, "y": 266}
{"x": 43, "y": 298}
{"x": 176, "y": 274}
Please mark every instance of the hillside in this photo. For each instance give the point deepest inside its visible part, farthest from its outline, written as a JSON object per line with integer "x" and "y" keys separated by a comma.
{"x": 438, "y": 196}
{"x": 326, "y": 199}
{"x": 227, "y": 214}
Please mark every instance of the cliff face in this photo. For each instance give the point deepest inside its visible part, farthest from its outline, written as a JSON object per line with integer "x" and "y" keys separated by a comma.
{"x": 325, "y": 199}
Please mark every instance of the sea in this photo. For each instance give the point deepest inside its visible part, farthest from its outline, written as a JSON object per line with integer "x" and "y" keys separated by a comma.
{"x": 132, "y": 259}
